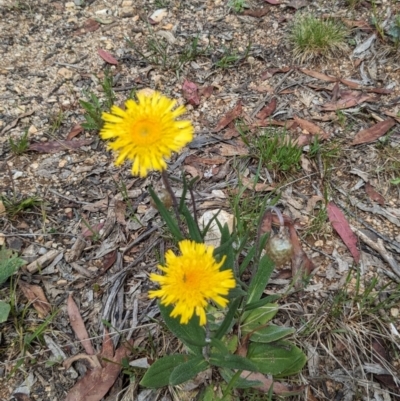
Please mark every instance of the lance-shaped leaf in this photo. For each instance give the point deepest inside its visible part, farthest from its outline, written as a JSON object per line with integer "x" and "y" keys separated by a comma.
{"x": 342, "y": 227}
{"x": 160, "y": 371}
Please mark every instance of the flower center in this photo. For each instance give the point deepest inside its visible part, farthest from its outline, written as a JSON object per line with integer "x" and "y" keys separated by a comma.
{"x": 192, "y": 280}
{"x": 146, "y": 132}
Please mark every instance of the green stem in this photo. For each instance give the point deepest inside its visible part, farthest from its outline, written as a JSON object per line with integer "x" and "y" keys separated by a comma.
{"x": 168, "y": 187}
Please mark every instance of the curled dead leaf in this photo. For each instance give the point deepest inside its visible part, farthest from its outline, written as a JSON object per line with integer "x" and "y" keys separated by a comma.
{"x": 36, "y": 296}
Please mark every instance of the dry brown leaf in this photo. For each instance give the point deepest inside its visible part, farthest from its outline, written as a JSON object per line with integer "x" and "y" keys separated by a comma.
{"x": 224, "y": 149}
{"x": 258, "y": 13}
{"x": 347, "y": 102}
{"x": 191, "y": 92}
{"x": 101, "y": 204}
{"x": 78, "y": 325}
{"x": 342, "y": 227}
{"x": 259, "y": 187}
{"x": 57, "y": 146}
{"x": 92, "y": 231}
{"x": 373, "y": 133}
{"x": 35, "y": 295}
{"x": 267, "y": 110}
{"x": 229, "y": 117}
{"x": 318, "y": 75}
{"x": 363, "y": 25}
{"x": 120, "y": 211}
{"x": 76, "y": 130}
{"x": 373, "y": 194}
{"x": 205, "y": 160}
{"x": 107, "y": 57}
{"x": 193, "y": 171}
{"x": 311, "y": 128}
{"x": 278, "y": 388}
{"x": 98, "y": 381}
{"x": 108, "y": 261}
{"x": 89, "y": 25}
{"x": 297, "y": 4}
{"x": 391, "y": 114}
{"x": 206, "y": 91}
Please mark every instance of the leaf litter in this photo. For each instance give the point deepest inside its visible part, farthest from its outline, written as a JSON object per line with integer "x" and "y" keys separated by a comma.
{"x": 86, "y": 183}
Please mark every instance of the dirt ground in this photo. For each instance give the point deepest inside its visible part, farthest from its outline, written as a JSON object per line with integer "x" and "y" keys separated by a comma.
{"x": 96, "y": 230}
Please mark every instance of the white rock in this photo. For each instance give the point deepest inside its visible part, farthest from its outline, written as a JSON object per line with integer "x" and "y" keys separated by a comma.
{"x": 213, "y": 236}
{"x": 159, "y": 14}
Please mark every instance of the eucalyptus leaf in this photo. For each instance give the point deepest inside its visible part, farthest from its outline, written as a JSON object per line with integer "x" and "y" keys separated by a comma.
{"x": 188, "y": 370}
{"x": 160, "y": 371}
{"x": 279, "y": 358}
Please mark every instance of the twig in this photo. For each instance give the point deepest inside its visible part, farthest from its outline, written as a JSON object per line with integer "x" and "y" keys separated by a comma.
{"x": 139, "y": 239}
{"x": 379, "y": 247}
{"x": 261, "y": 103}
{"x": 392, "y": 243}
{"x": 67, "y": 198}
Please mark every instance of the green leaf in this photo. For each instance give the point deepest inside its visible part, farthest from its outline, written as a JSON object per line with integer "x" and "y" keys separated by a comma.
{"x": 169, "y": 221}
{"x": 4, "y": 311}
{"x": 260, "y": 279}
{"x": 263, "y": 301}
{"x": 228, "y": 321}
{"x": 240, "y": 382}
{"x": 231, "y": 361}
{"x": 191, "y": 334}
{"x": 279, "y": 359}
{"x": 9, "y": 264}
{"x": 193, "y": 228}
{"x": 160, "y": 371}
{"x": 271, "y": 333}
{"x": 255, "y": 318}
{"x": 247, "y": 260}
{"x": 188, "y": 370}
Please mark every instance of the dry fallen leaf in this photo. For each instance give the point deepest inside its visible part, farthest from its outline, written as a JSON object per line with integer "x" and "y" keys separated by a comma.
{"x": 107, "y": 57}
{"x": 278, "y": 388}
{"x": 57, "y": 146}
{"x": 297, "y": 4}
{"x": 270, "y": 72}
{"x": 78, "y": 325}
{"x": 98, "y": 381}
{"x": 93, "y": 230}
{"x": 347, "y": 102}
{"x": 205, "y": 160}
{"x": 258, "y": 13}
{"x": 373, "y": 194}
{"x": 90, "y": 25}
{"x": 191, "y": 92}
{"x": 76, "y": 130}
{"x": 342, "y": 227}
{"x": 311, "y": 128}
{"x": 36, "y": 296}
{"x": 108, "y": 261}
{"x": 229, "y": 117}
{"x": 373, "y": 133}
{"x": 267, "y": 110}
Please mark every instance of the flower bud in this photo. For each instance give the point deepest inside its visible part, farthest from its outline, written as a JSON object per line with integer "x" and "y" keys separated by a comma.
{"x": 164, "y": 197}
{"x": 279, "y": 248}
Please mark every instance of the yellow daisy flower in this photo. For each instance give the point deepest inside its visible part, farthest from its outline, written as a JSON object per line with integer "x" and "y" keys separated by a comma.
{"x": 146, "y": 132}
{"x": 192, "y": 280}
